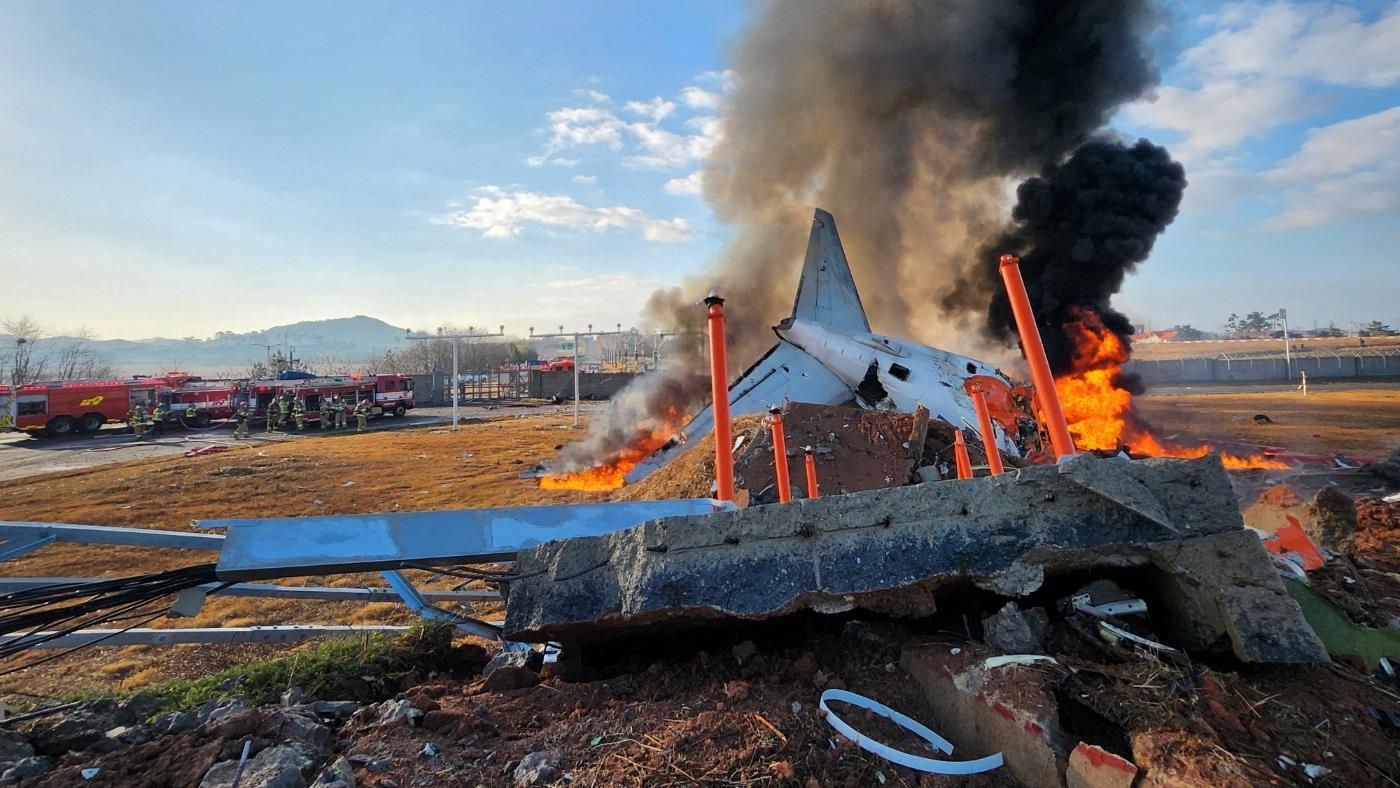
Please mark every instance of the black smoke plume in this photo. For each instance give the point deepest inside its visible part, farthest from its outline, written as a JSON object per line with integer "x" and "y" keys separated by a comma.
{"x": 907, "y": 119}
{"x": 1079, "y": 227}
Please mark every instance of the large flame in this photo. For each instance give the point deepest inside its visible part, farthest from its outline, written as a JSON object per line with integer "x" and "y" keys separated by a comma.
{"x": 611, "y": 472}
{"x": 1100, "y": 413}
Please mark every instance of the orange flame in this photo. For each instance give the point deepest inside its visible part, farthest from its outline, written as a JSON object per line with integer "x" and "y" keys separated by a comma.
{"x": 611, "y": 473}
{"x": 1101, "y": 414}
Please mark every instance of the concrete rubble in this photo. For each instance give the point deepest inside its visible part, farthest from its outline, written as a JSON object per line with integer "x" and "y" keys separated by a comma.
{"x": 1173, "y": 524}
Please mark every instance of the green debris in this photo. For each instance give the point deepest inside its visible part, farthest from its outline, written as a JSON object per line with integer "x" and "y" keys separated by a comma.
{"x": 1342, "y": 636}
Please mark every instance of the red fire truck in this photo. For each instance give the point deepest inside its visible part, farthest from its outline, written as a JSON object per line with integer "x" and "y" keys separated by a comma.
{"x": 65, "y": 408}
{"x": 387, "y": 394}
{"x": 61, "y": 409}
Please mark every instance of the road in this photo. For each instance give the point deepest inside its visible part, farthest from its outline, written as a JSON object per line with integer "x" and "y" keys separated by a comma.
{"x": 1243, "y": 388}
{"x": 22, "y": 456}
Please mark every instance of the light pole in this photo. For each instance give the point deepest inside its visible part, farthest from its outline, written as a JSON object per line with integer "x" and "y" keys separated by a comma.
{"x": 14, "y": 383}
{"x": 501, "y": 331}
{"x": 1287, "y": 354}
{"x": 573, "y": 337}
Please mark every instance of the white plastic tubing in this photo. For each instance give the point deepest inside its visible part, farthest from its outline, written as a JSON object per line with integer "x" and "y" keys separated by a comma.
{"x": 900, "y": 757}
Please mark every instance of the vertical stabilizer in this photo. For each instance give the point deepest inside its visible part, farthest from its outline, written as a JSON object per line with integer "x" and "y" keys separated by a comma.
{"x": 827, "y": 293}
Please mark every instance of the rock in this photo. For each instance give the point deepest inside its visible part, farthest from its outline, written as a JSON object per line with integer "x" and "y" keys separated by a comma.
{"x": 329, "y": 709}
{"x": 68, "y": 734}
{"x": 27, "y": 768}
{"x": 102, "y": 746}
{"x": 510, "y": 678}
{"x": 230, "y": 684}
{"x": 292, "y": 697}
{"x": 132, "y": 734}
{"x": 273, "y": 767}
{"x": 744, "y": 651}
{"x": 378, "y": 765}
{"x": 1013, "y": 631}
{"x": 538, "y": 767}
{"x": 439, "y": 719}
{"x": 234, "y": 723}
{"x": 1389, "y": 468}
{"x": 175, "y": 722}
{"x": 1332, "y": 521}
{"x": 390, "y": 712}
{"x": 217, "y": 708}
{"x": 13, "y": 746}
{"x": 339, "y": 774}
{"x": 139, "y": 708}
{"x": 304, "y": 730}
{"x": 513, "y": 658}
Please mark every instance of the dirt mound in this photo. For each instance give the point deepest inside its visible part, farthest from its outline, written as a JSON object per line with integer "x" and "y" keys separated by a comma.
{"x": 854, "y": 449}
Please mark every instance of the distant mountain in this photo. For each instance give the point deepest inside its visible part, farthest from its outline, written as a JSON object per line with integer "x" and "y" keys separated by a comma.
{"x": 340, "y": 342}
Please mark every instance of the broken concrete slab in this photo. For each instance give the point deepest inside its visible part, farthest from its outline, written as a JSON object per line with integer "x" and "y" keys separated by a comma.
{"x": 895, "y": 550}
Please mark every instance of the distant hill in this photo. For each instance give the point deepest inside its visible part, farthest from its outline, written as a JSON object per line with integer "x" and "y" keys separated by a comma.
{"x": 346, "y": 341}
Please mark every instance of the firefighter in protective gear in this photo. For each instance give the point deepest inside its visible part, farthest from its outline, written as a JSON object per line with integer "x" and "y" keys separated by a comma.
{"x": 361, "y": 415}
{"x": 341, "y": 407}
{"x": 158, "y": 418}
{"x": 299, "y": 413}
{"x": 328, "y": 409}
{"x": 284, "y": 409}
{"x": 136, "y": 417}
{"x": 191, "y": 413}
{"x": 240, "y": 416}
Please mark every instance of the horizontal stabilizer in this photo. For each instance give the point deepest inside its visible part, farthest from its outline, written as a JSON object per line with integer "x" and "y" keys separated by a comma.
{"x": 784, "y": 373}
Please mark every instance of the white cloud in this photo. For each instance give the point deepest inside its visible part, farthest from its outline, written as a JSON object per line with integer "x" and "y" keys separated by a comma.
{"x": 1222, "y": 113}
{"x": 498, "y": 213}
{"x": 690, "y": 184}
{"x": 572, "y": 126}
{"x": 616, "y": 282}
{"x": 595, "y": 96}
{"x": 1326, "y": 42}
{"x": 699, "y": 98}
{"x": 726, "y": 79}
{"x": 1344, "y": 170}
{"x": 586, "y": 180}
{"x": 558, "y": 161}
{"x": 655, "y": 110}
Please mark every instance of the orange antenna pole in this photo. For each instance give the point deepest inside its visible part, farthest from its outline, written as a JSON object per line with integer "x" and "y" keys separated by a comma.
{"x": 1034, "y": 349}
{"x": 989, "y": 436}
{"x": 812, "y": 489}
{"x": 780, "y": 465}
{"x": 964, "y": 462}
{"x": 719, "y": 391}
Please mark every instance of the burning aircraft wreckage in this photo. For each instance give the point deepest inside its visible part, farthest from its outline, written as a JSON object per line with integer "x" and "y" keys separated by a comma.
{"x": 601, "y": 571}
{"x": 1034, "y": 519}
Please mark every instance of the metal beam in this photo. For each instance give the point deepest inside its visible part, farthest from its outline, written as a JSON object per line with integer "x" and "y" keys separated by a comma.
{"x": 295, "y": 546}
{"x": 103, "y": 534}
{"x": 167, "y": 637}
{"x": 415, "y": 602}
{"x": 322, "y": 593}
{"x": 22, "y": 543}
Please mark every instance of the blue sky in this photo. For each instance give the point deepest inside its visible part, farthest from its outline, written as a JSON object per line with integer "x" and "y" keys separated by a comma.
{"x": 177, "y": 169}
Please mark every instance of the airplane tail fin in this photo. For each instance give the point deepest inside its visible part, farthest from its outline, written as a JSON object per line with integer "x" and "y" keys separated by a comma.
{"x": 827, "y": 291}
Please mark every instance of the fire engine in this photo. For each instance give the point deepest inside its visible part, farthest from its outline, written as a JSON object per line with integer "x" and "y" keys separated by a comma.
{"x": 65, "y": 408}
{"x": 387, "y": 394}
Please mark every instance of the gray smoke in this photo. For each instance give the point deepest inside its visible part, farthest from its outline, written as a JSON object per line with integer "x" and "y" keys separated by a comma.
{"x": 908, "y": 120}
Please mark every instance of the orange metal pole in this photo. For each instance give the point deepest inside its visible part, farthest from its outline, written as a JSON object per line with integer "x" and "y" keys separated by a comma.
{"x": 963, "y": 462}
{"x": 813, "y": 491}
{"x": 1034, "y": 349}
{"x": 780, "y": 465}
{"x": 989, "y": 436}
{"x": 719, "y": 391}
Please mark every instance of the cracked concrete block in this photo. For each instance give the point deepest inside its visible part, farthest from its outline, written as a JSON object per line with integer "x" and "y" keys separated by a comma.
{"x": 895, "y": 551}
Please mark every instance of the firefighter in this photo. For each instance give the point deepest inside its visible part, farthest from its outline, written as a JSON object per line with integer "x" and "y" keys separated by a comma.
{"x": 241, "y": 417}
{"x": 340, "y": 408}
{"x": 284, "y": 409}
{"x": 361, "y": 414}
{"x": 136, "y": 417}
{"x": 158, "y": 418}
{"x": 328, "y": 409}
{"x": 299, "y": 413}
{"x": 191, "y": 413}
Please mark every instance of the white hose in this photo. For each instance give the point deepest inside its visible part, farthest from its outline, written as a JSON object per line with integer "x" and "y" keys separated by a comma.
{"x": 913, "y": 726}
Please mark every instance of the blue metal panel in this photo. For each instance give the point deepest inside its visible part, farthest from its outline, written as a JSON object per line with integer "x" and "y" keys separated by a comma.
{"x": 358, "y": 543}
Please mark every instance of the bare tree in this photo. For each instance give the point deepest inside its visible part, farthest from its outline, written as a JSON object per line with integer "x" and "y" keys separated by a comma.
{"x": 76, "y": 358}
{"x": 29, "y": 361}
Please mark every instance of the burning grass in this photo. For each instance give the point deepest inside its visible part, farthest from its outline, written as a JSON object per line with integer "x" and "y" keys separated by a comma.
{"x": 1100, "y": 408}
